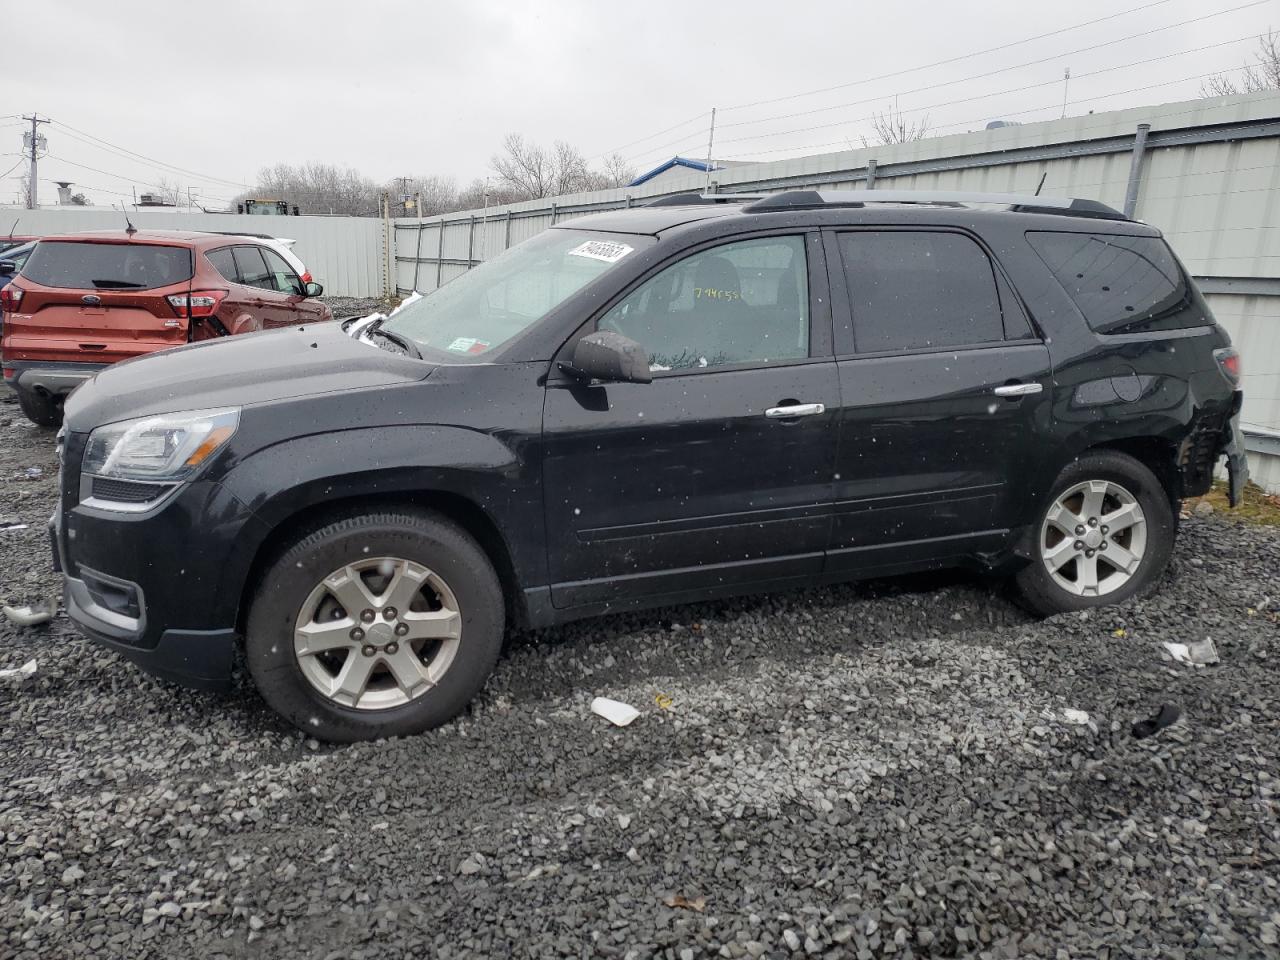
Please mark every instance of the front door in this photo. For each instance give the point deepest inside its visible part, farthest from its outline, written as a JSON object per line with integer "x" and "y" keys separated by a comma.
{"x": 945, "y": 400}
{"x": 719, "y": 472}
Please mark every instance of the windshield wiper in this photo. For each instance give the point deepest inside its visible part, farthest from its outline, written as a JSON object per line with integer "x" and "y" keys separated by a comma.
{"x": 404, "y": 343}
{"x": 116, "y": 285}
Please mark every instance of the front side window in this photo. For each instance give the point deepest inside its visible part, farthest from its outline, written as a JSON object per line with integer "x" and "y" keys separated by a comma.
{"x": 1122, "y": 284}
{"x": 919, "y": 290}
{"x": 474, "y": 314}
{"x": 744, "y": 302}
{"x": 282, "y": 276}
{"x": 252, "y": 269}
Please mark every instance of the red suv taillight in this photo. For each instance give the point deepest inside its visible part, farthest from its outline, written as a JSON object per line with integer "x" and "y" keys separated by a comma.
{"x": 1229, "y": 363}
{"x": 10, "y": 297}
{"x": 197, "y": 303}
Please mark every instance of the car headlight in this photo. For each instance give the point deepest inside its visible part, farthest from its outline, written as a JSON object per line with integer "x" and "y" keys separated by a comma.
{"x": 167, "y": 448}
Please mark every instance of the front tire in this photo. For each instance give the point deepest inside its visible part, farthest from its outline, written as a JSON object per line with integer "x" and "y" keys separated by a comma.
{"x": 377, "y": 625}
{"x": 1104, "y": 535}
{"x": 40, "y": 409}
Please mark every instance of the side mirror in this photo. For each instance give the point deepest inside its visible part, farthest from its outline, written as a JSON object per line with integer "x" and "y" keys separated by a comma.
{"x": 8, "y": 268}
{"x": 312, "y": 289}
{"x": 609, "y": 357}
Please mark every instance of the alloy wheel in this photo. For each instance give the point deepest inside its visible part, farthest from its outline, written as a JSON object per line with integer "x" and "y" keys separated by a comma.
{"x": 1093, "y": 538}
{"x": 378, "y": 633}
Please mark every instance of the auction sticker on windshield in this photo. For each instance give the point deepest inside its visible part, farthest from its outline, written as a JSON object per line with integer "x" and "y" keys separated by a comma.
{"x": 468, "y": 345}
{"x": 605, "y": 250}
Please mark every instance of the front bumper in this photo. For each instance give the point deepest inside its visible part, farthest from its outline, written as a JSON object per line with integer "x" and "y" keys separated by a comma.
{"x": 162, "y": 587}
{"x": 200, "y": 659}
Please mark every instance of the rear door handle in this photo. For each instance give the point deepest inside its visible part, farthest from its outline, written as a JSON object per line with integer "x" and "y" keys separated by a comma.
{"x": 1018, "y": 389}
{"x": 795, "y": 410}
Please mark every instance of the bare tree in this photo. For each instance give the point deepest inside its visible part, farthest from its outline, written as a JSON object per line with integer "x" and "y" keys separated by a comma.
{"x": 892, "y": 127}
{"x": 79, "y": 200}
{"x": 530, "y": 171}
{"x": 1262, "y": 74}
{"x": 526, "y": 168}
{"x": 616, "y": 171}
{"x": 318, "y": 188}
{"x": 167, "y": 191}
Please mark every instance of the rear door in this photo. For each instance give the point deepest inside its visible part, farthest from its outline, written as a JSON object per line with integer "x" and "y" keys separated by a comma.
{"x": 718, "y": 473}
{"x": 260, "y": 297}
{"x": 99, "y": 300}
{"x": 945, "y": 399}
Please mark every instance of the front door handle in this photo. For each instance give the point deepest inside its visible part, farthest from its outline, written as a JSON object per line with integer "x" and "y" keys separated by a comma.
{"x": 1018, "y": 389}
{"x": 795, "y": 410}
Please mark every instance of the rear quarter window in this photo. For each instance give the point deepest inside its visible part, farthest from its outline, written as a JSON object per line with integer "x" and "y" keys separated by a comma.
{"x": 1122, "y": 284}
{"x": 107, "y": 266}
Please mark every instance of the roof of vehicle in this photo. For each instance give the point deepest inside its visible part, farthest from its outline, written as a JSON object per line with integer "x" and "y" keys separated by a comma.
{"x": 193, "y": 238}
{"x": 939, "y": 207}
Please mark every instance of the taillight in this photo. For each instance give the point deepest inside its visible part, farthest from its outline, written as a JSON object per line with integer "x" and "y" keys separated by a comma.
{"x": 10, "y": 297}
{"x": 1229, "y": 363}
{"x": 197, "y": 303}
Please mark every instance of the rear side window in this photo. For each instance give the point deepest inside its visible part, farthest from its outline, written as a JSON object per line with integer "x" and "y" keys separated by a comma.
{"x": 919, "y": 290}
{"x": 224, "y": 262}
{"x": 107, "y": 266}
{"x": 253, "y": 272}
{"x": 1122, "y": 284}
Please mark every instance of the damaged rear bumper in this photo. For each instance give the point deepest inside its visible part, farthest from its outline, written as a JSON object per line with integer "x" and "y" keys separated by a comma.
{"x": 1237, "y": 461}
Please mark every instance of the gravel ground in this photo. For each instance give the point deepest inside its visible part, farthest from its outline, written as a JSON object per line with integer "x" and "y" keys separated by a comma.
{"x": 344, "y": 307}
{"x": 865, "y": 771}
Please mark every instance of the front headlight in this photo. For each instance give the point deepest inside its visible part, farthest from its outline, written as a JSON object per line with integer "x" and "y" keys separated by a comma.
{"x": 167, "y": 448}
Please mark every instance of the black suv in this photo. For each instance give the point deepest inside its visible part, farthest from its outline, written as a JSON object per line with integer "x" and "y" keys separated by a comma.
{"x": 701, "y": 397}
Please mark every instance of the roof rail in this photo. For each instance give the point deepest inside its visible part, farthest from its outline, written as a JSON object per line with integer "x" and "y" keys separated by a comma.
{"x": 701, "y": 199}
{"x": 1022, "y": 203}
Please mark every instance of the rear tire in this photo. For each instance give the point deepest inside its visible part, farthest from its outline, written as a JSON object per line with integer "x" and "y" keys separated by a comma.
{"x": 377, "y": 625}
{"x": 1079, "y": 560}
{"x": 43, "y": 410}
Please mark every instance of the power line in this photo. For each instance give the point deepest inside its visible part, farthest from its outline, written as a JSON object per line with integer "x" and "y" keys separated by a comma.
{"x": 956, "y": 59}
{"x": 997, "y": 93}
{"x": 674, "y": 126}
{"x": 120, "y": 176}
{"x": 159, "y": 164}
{"x": 658, "y": 150}
{"x": 992, "y": 73}
{"x": 1049, "y": 106}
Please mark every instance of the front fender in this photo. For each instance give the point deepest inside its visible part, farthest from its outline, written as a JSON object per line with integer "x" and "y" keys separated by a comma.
{"x": 408, "y": 461}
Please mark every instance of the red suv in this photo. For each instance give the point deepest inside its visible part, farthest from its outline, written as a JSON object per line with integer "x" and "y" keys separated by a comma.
{"x": 88, "y": 300}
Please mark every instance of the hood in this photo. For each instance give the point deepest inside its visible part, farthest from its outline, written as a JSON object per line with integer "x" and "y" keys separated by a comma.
{"x": 238, "y": 371}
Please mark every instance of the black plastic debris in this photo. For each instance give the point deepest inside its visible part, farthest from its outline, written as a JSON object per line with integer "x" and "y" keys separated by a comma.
{"x": 1167, "y": 716}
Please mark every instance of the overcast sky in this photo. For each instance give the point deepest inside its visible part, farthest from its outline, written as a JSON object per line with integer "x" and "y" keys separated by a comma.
{"x": 223, "y": 89}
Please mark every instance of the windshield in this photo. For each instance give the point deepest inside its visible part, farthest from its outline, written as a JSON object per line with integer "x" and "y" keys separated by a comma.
{"x": 485, "y": 307}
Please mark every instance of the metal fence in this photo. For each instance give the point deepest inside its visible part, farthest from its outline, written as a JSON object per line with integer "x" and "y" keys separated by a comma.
{"x": 345, "y": 254}
{"x": 1205, "y": 172}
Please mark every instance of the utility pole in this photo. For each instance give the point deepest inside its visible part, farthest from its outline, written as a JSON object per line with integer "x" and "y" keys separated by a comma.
{"x": 33, "y": 144}
{"x": 1066, "y": 82}
{"x": 711, "y": 140}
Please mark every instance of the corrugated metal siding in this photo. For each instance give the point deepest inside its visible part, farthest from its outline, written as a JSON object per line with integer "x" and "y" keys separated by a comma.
{"x": 1254, "y": 325}
{"x": 345, "y": 254}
